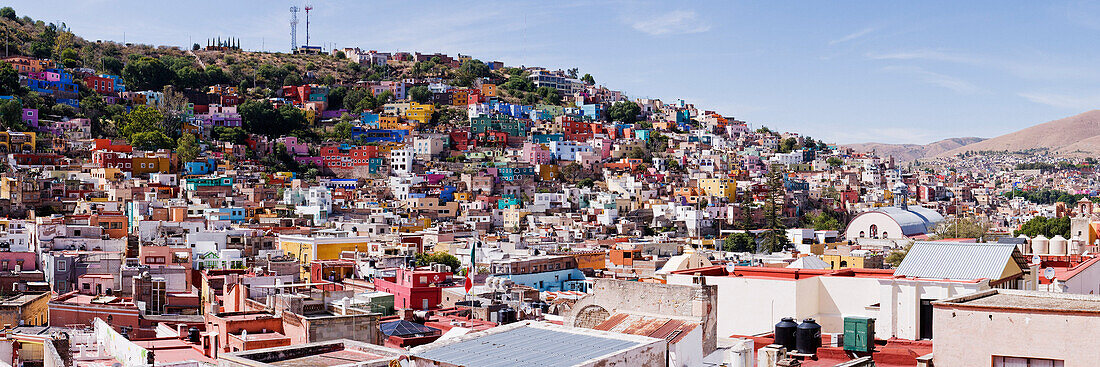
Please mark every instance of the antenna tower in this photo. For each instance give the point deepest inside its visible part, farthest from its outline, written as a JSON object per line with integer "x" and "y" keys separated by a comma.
{"x": 293, "y": 28}
{"x": 308, "y": 8}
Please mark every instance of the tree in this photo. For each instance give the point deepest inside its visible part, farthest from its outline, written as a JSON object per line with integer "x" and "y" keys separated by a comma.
{"x": 775, "y": 239}
{"x": 549, "y": 95}
{"x": 110, "y": 65}
{"x": 821, "y": 222}
{"x": 420, "y": 94}
{"x": 9, "y": 80}
{"x": 739, "y": 242}
{"x": 142, "y": 119}
{"x": 233, "y": 135}
{"x": 342, "y": 131}
{"x": 150, "y": 140}
{"x": 963, "y": 228}
{"x": 7, "y": 12}
{"x": 187, "y": 148}
{"x": 834, "y": 161}
{"x": 588, "y": 79}
{"x": 11, "y": 112}
{"x": 787, "y": 145}
{"x": 747, "y": 221}
{"x": 147, "y": 73}
{"x": 424, "y": 259}
{"x": 190, "y": 78}
{"x": 895, "y": 257}
{"x": 1048, "y": 227}
{"x": 624, "y": 111}
{"x": 292, "y": 79}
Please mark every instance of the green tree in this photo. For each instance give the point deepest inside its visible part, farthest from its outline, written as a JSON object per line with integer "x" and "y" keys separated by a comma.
{"x": 150, "y": 140}
{"x": 746, "y": 205}
{"x": 187, "y": 148}
{"x": 820, "y": 221}
{"x": 775, "y": 239}
{"x": 624, "y": 111}
{"x": 342, "y": 131}
{"x": 739, "y": 242}
{"x": 1048, "y": 227}
{"x": 292, "y": 79}
{"x": 9, "y": 80}
{"x": 963, "y": 228}
{"x": 895, "y": 257}
{"x": 143, "y": 119}
{"x": 110, "y": 65}
{"x": 8, "y": 12}
{"x": 190, "y": 78}
{"x": 420, "y": 94}
{"x": 11, "y": 112}
{"x": 549, "y": 95}
{"x": 588, "y": 79}
{"x": 834, "y": 161}
{"x": 424, "y": 259}
{"x": 147, "y": 73}
{"x": 233, "y": 135}
{"x": 787, "y": 145}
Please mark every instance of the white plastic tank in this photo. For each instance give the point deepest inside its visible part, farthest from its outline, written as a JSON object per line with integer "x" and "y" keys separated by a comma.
{"x": 1039, "y": 245}
{"x": 1058, "y": 245}
{"x": 1024, "y": 247}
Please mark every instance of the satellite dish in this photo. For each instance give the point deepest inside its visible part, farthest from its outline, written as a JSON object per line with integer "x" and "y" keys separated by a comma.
{"x": 730, "y": 267}
{"x": 1036, "y": 259}
{"x": 1048, "y": 273}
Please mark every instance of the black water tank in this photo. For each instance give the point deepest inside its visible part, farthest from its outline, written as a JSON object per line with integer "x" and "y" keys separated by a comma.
{"x": 784, "y": 332}
{"x": 808, "y": 337}
{"x": 193, "y": 335}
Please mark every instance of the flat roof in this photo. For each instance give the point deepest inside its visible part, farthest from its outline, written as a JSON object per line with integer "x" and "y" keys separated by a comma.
{"x": 1008, "y": 299}
{"x": 528, "y": 343}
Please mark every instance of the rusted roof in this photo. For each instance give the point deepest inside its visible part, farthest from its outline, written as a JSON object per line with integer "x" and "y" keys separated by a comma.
{"x": 671, "y": 330}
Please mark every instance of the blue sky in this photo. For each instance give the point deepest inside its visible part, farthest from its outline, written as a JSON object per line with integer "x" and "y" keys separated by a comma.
{"x": 844, "y": 71}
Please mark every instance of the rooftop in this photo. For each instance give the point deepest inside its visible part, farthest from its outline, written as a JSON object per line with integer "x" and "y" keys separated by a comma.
{"x": 529, "y": 343}
{"x": 1008, "y": 299}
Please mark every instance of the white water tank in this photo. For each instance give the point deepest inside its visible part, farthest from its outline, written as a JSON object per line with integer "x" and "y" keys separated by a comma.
{"x": 1058, "y": 245}
{"x": 1039, "y": 245}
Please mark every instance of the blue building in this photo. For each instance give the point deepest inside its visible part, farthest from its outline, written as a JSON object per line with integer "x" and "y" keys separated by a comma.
{"x": 369, "y": 119}
{"x": 200, "y": 167}
{"x": 378, "y": 135}
{"x": 593, "y": 111}
{"x": 550, "y": 281}
{"x": 546, "y": 138}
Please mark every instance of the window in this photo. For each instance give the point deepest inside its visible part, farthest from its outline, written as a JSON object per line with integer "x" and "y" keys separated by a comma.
{"x": 1001, "y": 361}
{"x": 60, "y": 265}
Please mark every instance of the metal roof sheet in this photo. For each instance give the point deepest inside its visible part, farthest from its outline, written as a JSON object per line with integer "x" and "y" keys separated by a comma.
{"x": 956, "y": 260}
{"x": 527, "y": 346}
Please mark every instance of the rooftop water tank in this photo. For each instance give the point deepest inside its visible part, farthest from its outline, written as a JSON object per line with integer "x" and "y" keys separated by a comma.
{"x": 784, "y": 332}
{"x": 808, "y": 337}
{"x": 1058, "y": 245}
{"x": 1039, "y": 245}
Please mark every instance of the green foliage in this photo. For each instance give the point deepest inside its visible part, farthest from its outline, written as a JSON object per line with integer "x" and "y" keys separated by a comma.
{"x": 147, "y": 74}
{"x": 260, "y": 117}
{"x": 444, "y": 258}
{"x": 187, "y": 148}
{"x": 233, "y": 135}
{"x": 143, "y": 119}
{"x": 1045, "y": 196}
{"x": 821, "y": 221}
{"x": 834, "y": 161}
{"x": 895, "y": 257}
{"x": 190, "y": 78}
{"x": 588, "y": 79}
{"x": 586, "y": 182}
{"x": 787, "y": 145}
{"x": 420, "y": 94}
{"x": 151, "y": 140}
{"x": 359, "y": 97}
{"x": 1048, "y": 227}
{"x": 9, "y": 80}
{"x": 739, "y": 242}
{"x": 8, "y": 12}
{"x": 962, "y": 228}
{"x": 11, "y": 112}
{"x": 342, "y": 131}
{"x": 110, "y": 65}
{"x": 549, "y": 95}
{"x": 624, "y": 111}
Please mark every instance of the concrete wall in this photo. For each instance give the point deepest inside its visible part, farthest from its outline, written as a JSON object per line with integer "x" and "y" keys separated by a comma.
{"x": 687, "y": 301}
{"x": 971, "y": 337}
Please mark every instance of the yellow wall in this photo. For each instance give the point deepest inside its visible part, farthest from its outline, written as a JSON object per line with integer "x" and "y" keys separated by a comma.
{"x": 152, "y": 164}
{"x": 719, "y": 187}
{"x": 304, "y": 251}
{"x": 420, "y": 112}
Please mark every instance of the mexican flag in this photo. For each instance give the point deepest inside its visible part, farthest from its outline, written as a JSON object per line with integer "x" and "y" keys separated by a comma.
{"x": 472, "y": 270}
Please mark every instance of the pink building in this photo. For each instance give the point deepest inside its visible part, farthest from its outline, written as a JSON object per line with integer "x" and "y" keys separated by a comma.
{"x": 293, "y": 146}
{"x": 536, "y": 153}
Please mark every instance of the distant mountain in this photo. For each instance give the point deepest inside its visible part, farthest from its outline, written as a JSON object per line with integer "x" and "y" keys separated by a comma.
{"x": 912, "y": 152}
{"x": 1075, "y": 135}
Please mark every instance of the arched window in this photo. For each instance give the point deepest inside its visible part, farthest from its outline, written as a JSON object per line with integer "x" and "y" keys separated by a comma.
{"x": 862, "y": 234}
{"x": 874, "y": 231}
{"x": 843, "y": 264}
{"x": 884, "y": 235}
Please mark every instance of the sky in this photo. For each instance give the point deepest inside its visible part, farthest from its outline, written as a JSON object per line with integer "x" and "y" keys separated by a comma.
{"x": 842, "y": 71}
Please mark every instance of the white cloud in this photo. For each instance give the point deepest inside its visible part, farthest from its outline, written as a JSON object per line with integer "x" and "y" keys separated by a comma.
{"x": 674, "y": 22}
{"x": 941, "y": 80}
{"x": 852, "y": 36}
{"x": 1070, "y": 102}
{"x": 1031, "y": 66}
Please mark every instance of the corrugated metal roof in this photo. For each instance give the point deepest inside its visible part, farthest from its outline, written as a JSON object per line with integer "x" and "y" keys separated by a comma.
{"x": 527, "y": 346}
{"x": 665, "y": 328}
{"x": 956, "y": 260}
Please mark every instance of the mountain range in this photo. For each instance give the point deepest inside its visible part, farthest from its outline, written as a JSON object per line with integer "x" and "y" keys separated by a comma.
{"x": 1077, "y": 135}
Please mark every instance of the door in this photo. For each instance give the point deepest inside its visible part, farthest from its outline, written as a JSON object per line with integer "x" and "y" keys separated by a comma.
{"x": 926, "y": 319}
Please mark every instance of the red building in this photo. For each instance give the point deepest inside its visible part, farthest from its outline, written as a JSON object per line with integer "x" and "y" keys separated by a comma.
{"x": 74, "y": 309}
{"x": 99, "y": 84}
{"x": 106, "y": 144}
{"x": 417, "y": 289}
{"x": 108, "y": 159}
{"x": 353, "y": 156}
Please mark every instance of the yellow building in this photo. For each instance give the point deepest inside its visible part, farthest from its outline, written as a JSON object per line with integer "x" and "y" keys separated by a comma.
{"x": 720, "y": 187}
{"x": 17, "y": 142}
{"x": 309, "y": 248}
{"x": 488, "y": 90}
{"x": 853, "y": 261}
{"x": 420, "y": 112}
{"x": 160, "y": 162}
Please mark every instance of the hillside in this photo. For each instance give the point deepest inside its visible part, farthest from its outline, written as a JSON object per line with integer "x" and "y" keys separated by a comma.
{"x": 912, "y": 152}
{"x": 1074, "y": 135}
